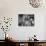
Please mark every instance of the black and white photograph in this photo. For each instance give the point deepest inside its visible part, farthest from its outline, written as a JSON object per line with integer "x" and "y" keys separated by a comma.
{"x": 26, "y": 20}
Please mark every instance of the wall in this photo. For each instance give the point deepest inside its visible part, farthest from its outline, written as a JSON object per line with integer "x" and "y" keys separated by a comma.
{"x": 11, "y": 8}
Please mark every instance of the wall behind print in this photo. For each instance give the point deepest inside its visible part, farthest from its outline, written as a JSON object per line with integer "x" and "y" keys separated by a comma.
{"x": 11, "y": 8}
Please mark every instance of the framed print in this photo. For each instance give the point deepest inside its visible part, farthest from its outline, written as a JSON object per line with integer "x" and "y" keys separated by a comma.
{"x": 26, "y": 20}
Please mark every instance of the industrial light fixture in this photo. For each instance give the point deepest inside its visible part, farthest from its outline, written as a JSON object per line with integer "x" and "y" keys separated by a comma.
{"x": 36, "y": 3}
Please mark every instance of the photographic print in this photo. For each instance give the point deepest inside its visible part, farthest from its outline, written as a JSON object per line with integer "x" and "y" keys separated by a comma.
{"x": 26, "y": 20}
